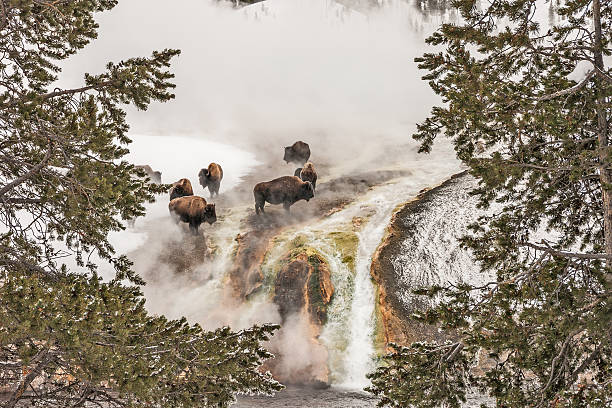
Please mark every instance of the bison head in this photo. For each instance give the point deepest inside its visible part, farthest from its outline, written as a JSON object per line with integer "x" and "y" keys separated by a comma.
{"x": 203, "y": 177}
{"x": 210, "y": 215}
{"x": 181, "y": 188}
{"x": 307, "y": 191}
{"x": 182, "y": 184}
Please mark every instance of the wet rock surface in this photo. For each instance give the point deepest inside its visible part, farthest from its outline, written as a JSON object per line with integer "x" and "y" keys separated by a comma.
{"x": 304, "y": 283}
{"x": 246, "y": 276}
{"x": 331, "y": 196}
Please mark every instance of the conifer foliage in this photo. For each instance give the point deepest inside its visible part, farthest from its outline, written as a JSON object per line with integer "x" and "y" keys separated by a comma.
{"x": 66, "y": 337}
{"x": 537, "y": 137}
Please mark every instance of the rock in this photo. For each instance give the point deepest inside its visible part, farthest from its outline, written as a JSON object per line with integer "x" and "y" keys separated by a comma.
{"x": 185, "y": 255}
{"x": 320, "y": 385}
{"x": 290, "y": 287}
{"x": 302, "y": 291}
{"x": 402, "y": 263}
{"x": 304, "y": 282}
{"x": 246, "y": 275}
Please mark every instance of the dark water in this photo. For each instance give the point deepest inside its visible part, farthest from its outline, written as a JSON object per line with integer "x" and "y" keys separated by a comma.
{"x": 329, "y": 398}
{"x": 312, "y": 398}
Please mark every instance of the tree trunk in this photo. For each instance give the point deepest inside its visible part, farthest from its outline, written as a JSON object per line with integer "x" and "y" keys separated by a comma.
{"x": 602, "y": 134}
{"x": 42, "y": 358}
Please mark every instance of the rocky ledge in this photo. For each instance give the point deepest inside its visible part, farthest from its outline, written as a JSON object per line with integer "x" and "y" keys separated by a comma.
{"x": 421, "y": 248}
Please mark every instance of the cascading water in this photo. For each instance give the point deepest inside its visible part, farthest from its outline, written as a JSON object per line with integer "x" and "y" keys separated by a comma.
{"x": 360, "y": 349}
{"x": 349, "y": 332}
{"x": 380, "y": 204}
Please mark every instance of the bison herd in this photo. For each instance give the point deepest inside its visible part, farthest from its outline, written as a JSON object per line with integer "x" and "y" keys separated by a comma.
{"x": 285, "y": 190}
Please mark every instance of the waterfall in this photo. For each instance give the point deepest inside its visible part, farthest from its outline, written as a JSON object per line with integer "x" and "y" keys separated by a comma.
{"x": 358, "y": 359}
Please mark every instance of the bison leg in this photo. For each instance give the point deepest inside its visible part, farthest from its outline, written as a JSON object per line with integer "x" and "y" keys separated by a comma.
{"x": 286, "y": 206}
{"x": 260, "y": 201}
{"x": 193, "y": 227}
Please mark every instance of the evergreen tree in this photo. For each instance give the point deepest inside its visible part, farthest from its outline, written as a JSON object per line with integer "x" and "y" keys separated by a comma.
{"x": 66, "y": 337}
{"x": 542, "y": 329}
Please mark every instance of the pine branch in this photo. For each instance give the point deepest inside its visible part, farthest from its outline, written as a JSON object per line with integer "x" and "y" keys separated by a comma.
{"x": 557, "y": 362}
{"x": 42, "y": 358}
{"x": 26, "y": 176}
{"x": 603, "y": 75}
{"x": 64, "y": 92}
{"x": 566, "y": 254}
{"x": 568, "y": 91}
{"x": 456, "y": 349}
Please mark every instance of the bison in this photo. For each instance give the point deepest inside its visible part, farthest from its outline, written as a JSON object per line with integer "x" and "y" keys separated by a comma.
{"x": 286, "y": 190}
{"x": 298, "y": 153}
{"x": 308, "y": 173}
{"x": 211, "y": 178}
{"x": 181, "y": 188}
{"x": 193, "y": 210}
{"x": 155, "y": 176}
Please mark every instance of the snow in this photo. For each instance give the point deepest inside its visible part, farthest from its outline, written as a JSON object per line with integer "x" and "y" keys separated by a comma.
{"x": 581, "y": 71}
{"x": 183, "y": 156}
{"x": 431, "y": 254}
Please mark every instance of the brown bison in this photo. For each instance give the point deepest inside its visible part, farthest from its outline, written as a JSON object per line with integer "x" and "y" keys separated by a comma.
{"x": 193, "y": 210}
{"x": 286, "y": 190}
{"x": 298, "y": 153}
{"x": 211, "y": 178}
{"x": 308, "y": 173}
{"x": 181, "y": 188}
{"x": 155, "y": 176}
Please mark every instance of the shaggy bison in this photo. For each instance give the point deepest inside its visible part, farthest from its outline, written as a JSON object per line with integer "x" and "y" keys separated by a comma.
{"x": 193, "y": 210}
{"x": 298, "y": 153}
{"x": 181, "y": 188}
{"x": 308, "y": 173}
{"x": 155, "y": 176}
{"x": 286, "y": 190}
{"x": 211, "y": 178}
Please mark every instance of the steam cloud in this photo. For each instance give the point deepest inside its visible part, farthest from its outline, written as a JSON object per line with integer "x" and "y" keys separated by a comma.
{"x": 259, "y": 78}
{"x": 275, "y": 72}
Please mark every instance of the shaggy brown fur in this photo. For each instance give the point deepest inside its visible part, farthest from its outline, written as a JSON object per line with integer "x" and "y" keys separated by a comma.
{"x": 211, "y": 178}
{"x": 193, "y": 210}
{"x": 155, "y": 176}
{"x": 181, "y": 188}
{"x": 308, "y": 173}
{"x": 298, "y": 153}
{"x": 286, "y": 190}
